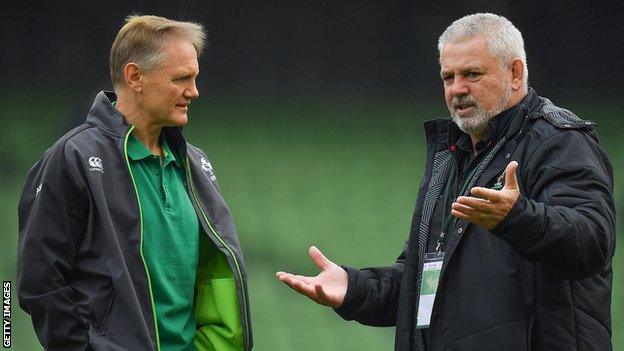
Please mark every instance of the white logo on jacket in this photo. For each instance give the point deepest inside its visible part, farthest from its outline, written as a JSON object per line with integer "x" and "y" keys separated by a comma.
{"x": 96, "y": 164}
{"x": 207, "y": 167}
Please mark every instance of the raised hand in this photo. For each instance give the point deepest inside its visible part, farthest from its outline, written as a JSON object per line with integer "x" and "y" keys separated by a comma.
{"x": 327, "y": 288}
{"x": 488, "y": 207}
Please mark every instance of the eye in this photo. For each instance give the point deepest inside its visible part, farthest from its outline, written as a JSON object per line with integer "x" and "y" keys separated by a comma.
{"x": 448, "y": 79}
{"x": 472, "y": 74}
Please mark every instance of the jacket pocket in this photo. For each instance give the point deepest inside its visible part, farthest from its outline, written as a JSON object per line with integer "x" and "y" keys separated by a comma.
{"x": 217, "y": 316}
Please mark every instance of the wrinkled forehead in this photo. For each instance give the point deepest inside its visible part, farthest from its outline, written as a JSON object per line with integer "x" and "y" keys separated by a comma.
{"x": 180, "y": 55}
{"x": 473, "y": 51}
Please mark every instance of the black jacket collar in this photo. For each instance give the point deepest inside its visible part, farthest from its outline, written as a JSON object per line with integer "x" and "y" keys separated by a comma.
{"x": 443, "y": 133}
{"x": 105, "y": 116}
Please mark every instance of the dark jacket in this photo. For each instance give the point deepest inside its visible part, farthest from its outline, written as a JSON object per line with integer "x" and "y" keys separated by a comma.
{"x": 81, "y": 275}
{"x": 540, "y": 280}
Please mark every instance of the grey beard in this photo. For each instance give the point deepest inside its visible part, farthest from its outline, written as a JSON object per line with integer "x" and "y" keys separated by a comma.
{"x": 479, "y": 119}
{"x": 474, "y": 123}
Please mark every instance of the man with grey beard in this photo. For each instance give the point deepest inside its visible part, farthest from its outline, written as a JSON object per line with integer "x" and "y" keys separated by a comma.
{"x": 478, "y": 120}
{"x": 513, "y": 232}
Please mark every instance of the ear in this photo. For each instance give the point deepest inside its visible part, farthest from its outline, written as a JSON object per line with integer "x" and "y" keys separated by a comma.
{"x": 132, "y": 77}
{"x": 517, "y": 74}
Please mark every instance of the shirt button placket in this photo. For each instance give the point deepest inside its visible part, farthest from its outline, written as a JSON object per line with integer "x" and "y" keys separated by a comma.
{"x": 165, "y": 190}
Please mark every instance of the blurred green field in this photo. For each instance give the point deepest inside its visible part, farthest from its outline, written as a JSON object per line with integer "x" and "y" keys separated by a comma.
{"x": 340, "y": 174}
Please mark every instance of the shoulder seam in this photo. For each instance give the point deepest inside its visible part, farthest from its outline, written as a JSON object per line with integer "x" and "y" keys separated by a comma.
{"x": 76, "y": 133}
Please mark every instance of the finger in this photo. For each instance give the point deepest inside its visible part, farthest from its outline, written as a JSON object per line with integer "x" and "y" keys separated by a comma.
{"x": 474, "y": 202}
{"x": 294, "y": 276}
{"x": 485, "y": 193}
{"x": 471, "y": 211}
{"x": 319, "y": 259}
{"x": 285, "y": 276}
{"x": 299, "y": 286}
{"x": 468, "y": 213}
{"x": 302, "y": 288}
{"x": 303, "y": 278}
{"x": 475, "y": 218}
{"x": 320, "y": 292}
{"x": 511, "y": 180}
{"x": 322, "y": 297}
{"x": 461, "y": 215}
{"x": 318, "y": 288}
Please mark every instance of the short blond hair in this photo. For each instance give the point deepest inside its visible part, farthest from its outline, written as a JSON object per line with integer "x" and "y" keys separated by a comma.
{"x": 141, "y": 40}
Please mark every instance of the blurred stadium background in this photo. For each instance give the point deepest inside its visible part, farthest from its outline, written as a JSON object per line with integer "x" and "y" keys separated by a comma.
{"x": 311, "y": 112}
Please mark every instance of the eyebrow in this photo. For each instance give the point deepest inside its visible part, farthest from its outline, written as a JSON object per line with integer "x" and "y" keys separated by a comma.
{"x": 472, "y": 68}
{"x": 463, "y": 70}
{"x": 186, "y": 73}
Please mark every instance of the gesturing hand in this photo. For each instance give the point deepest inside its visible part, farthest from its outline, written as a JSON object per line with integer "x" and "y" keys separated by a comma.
{"x": 327, "y": 288}
{"x": 489, "y": 207}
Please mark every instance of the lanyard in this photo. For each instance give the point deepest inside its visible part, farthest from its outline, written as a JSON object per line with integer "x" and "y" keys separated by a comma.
{"x": 449, "y": 196}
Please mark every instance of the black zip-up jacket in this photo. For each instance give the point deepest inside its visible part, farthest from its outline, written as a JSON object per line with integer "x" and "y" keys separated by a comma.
{"x": 80, "y": 275}
{"x": 541, "y": 279}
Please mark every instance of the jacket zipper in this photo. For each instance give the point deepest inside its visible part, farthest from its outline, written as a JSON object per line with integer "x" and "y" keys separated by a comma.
{"x": 214, "y": 232}
{"x": 149, "y": 281}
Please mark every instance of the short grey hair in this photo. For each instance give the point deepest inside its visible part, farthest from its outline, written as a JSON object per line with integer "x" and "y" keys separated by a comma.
{"x": 142, "y": 38}
{"x": 504, "y": 39}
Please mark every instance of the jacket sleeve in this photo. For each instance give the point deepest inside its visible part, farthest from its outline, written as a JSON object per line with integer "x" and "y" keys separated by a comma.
{"x": 373, "y": 294}
{"x": 564, "y": 217}
{"x": 51, "y": 214}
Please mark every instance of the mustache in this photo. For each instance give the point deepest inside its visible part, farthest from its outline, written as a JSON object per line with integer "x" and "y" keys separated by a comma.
{"x": 464, "y": 100}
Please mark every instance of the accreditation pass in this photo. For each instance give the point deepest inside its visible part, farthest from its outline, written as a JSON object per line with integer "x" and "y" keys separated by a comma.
{"x": 428, "y": 287}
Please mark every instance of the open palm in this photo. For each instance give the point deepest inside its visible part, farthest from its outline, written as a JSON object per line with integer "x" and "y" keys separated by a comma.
{"x": 327, "y": 288}
{"x": 488, "y": 207}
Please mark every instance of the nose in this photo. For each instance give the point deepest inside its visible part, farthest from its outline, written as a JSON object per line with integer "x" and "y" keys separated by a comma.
{"x": 192, "y": 92}
{"x": 458, "y": 87}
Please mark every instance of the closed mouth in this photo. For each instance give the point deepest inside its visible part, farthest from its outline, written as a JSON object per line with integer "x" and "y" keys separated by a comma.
{"x": 462, "y": 107}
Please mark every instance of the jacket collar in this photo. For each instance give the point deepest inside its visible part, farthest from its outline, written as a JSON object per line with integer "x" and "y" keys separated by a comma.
{"x": 443, "y": 133}
{"x": 106, "y": 116}
{"x": 523, "y": 110}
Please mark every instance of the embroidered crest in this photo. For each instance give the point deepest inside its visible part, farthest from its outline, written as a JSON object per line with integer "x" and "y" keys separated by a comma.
{"x": 96, "y": 164}
{"x": 500, "y": 182}
{"x": 207, "y": 167}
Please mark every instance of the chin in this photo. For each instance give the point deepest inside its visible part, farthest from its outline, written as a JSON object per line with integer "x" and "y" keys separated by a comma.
{"x": 178, "y": 121}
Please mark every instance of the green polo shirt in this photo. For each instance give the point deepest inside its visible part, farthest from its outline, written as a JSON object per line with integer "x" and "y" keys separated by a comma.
{"x": 170, "y": 241}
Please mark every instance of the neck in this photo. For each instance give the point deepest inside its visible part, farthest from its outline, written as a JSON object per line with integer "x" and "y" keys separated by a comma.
{"x": 147, "y": 133}
{"x": 515, "y": 99}
{"x": 478, "y": 136}
{"x": 149, "y": 137}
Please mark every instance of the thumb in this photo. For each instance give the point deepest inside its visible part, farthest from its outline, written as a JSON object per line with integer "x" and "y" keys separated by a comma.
{"x": 318, "y": 258}
{"x": 511, "y": 181}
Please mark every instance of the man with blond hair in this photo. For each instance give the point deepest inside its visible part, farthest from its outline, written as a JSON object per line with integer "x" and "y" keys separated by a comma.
{"x": 125, "y": 241}
{"x": 513, "y": 232}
